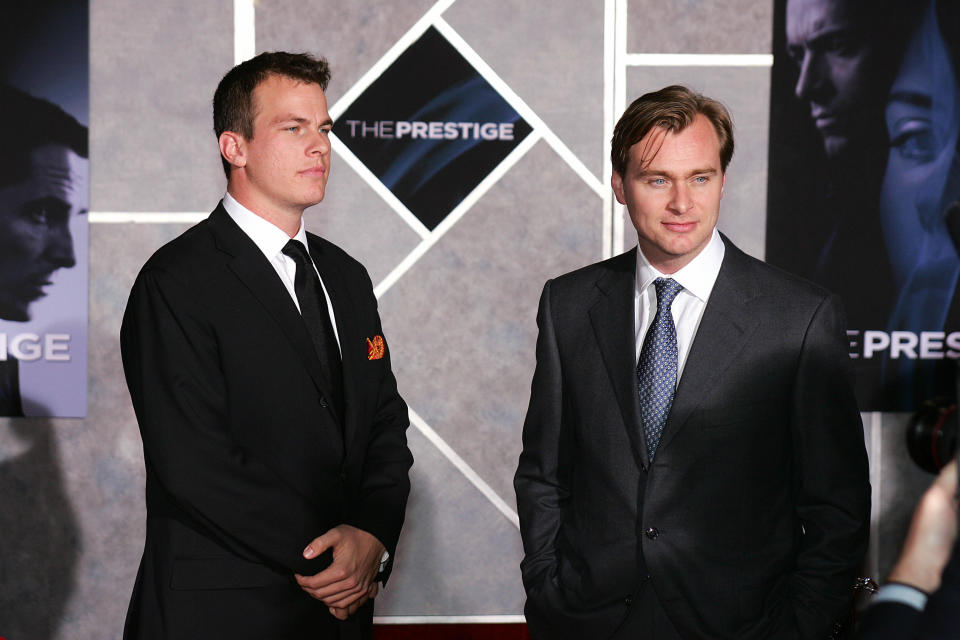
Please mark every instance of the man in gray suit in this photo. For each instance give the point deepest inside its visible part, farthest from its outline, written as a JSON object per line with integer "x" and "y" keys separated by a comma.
{"x": 693, "y": 462}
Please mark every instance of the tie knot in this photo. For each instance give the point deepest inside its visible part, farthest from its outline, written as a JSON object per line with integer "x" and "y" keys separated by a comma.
{"x": 294, "y": 249}
{"x": 667, "y": 290}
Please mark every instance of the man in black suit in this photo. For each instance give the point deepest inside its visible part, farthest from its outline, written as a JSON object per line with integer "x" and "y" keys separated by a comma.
{"x": 43, "y": 185}
{"x": 921, "y": 599}
{"x": 693, "y": 462}
{"x": 262, "y": 385}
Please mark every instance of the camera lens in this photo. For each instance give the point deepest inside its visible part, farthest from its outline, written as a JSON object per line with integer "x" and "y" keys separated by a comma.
{"x": 932, "y": 435}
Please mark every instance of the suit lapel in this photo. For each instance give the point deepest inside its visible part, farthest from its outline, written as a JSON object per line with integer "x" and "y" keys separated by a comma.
{"x": 724, "y": 331}
{"x": 612, "y": 319}
{"x": 252, "y": 268}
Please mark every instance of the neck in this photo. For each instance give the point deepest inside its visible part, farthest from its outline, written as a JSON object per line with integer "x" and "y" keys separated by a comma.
{"x": 287, "y": 219}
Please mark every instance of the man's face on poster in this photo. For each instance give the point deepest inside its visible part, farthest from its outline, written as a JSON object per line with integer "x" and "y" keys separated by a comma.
{"x": 35, "y": 215}
{"x": 838, "y": 76}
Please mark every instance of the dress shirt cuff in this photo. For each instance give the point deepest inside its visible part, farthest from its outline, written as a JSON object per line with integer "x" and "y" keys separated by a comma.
{"x": 902, "y": 593}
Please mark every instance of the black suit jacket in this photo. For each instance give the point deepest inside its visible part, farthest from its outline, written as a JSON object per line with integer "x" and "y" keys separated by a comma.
{"x": 246, "y": 462}
{"x": 754, "y": 516}
{"x": 10, "y": 403}
{"x": 940, "y": 619}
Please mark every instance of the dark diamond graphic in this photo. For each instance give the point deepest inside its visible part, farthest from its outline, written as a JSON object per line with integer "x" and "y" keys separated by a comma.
{"x": 431, "y": 128}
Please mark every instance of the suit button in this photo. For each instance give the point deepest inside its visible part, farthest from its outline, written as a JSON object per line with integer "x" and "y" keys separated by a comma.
{"x": 323, "y": 402}
{"x": 628, "y": 600}
{"x": 652, "y": 533}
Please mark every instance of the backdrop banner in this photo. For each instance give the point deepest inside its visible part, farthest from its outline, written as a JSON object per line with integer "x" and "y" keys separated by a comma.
{"x": 44, "y": 196}
{"x": 431, "y": 128}
{"x": 864, "y": 181}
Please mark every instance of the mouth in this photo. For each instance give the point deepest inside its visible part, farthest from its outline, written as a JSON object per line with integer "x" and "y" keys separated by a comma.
{"x": 313, "y": 172}
{"x": 826, "y": 121}
{"x": 680, "y": 227}
{"x": 33, "y": 288}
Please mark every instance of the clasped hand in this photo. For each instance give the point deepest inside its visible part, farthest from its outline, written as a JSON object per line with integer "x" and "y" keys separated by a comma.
{"x": 348, "y": 582}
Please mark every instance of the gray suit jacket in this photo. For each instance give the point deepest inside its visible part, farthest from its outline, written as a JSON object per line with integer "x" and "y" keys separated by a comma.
{"x": 754, "y": 516}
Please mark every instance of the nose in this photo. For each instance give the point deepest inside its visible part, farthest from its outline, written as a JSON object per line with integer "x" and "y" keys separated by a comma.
{"x": 319, "y": 144}
{"x": 60, "y": 247}
{"x": 681, "y": 201}
{"x": 810, "y": 80}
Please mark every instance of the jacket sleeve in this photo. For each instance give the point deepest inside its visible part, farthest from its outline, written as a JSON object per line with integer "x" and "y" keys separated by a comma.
{"x": 385, "y": 485}
{"x": 831, "y": 480}
{"x": 541, "y": 481}
{"x": 173, "y": 370}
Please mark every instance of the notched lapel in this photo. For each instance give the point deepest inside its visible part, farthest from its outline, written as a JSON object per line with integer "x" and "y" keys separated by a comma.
{"x": 724, "y": 331}
{"x": 612, "y": 321}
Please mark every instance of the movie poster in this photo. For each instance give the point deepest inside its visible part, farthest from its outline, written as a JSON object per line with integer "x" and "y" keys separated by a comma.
{"x": 865, "y": 181}
{"x": 44, "y": 196}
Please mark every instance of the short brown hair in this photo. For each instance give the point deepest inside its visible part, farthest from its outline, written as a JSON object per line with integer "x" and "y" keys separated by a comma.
{"x": 233, "y": 99}
{"x": 674, "y": 109}
{"x": 28, "y": 123}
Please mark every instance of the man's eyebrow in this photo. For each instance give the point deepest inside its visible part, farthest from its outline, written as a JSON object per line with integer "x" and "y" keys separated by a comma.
{"x": 646, "y": 173}
{"x": 300, "y": 120}
{"x": 289, "y": 118}
{"x": 821, "y": 35}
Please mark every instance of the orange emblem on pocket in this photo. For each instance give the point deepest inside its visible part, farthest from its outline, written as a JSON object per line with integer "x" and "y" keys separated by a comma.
{"x": 375, "y": 348}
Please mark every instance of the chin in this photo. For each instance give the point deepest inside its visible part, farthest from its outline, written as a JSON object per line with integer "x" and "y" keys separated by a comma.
{"x": 835, "y": 145}
{"x": 15, "y": 313}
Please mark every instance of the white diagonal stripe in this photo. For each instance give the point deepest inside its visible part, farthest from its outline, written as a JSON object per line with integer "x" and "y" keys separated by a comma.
{"x": 344, "y": 152}
{"x": 458, "y": 212}
{"x": 699, "y": 59}
{"x": 387, "y": 59}
{"x": 464, "y": 468}
{"x": 518, "y": 105}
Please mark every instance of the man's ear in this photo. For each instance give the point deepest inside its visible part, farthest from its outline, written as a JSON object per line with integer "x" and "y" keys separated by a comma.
{"x": 723, "y": 184}
{"x": 233, "y": 147}
{"x": 616, "y": 181}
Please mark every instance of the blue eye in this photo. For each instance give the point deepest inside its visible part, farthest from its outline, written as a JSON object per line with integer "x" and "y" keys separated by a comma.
{"x": 700, "y": 179}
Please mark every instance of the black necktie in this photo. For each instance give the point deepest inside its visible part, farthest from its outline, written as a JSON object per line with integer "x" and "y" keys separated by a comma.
{"x": 313, "y": 308}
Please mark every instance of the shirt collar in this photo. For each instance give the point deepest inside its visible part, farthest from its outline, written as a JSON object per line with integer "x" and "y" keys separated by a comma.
{"x": 269, "y": 238}
{"x": 697, "y": 276}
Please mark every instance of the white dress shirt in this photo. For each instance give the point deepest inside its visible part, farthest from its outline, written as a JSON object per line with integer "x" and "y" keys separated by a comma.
{"x": 697, "y": 279}
{"x": 271, "y": 240}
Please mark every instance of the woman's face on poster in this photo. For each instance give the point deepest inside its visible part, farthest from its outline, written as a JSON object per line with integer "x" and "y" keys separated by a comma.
{"x": 923, "y": 119}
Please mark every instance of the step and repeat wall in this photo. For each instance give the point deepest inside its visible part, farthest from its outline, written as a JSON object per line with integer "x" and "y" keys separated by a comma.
{"x": 469, "y": 166}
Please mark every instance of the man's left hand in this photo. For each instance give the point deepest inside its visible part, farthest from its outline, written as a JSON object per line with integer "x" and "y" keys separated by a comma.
{"x": 348, "y": 582}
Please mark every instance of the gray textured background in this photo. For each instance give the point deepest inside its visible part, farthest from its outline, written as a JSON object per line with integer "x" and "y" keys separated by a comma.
{"x": 460, "y": 321}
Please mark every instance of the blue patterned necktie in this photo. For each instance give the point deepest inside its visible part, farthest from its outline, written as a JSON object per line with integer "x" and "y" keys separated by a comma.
{"x": 657, "y": 366}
